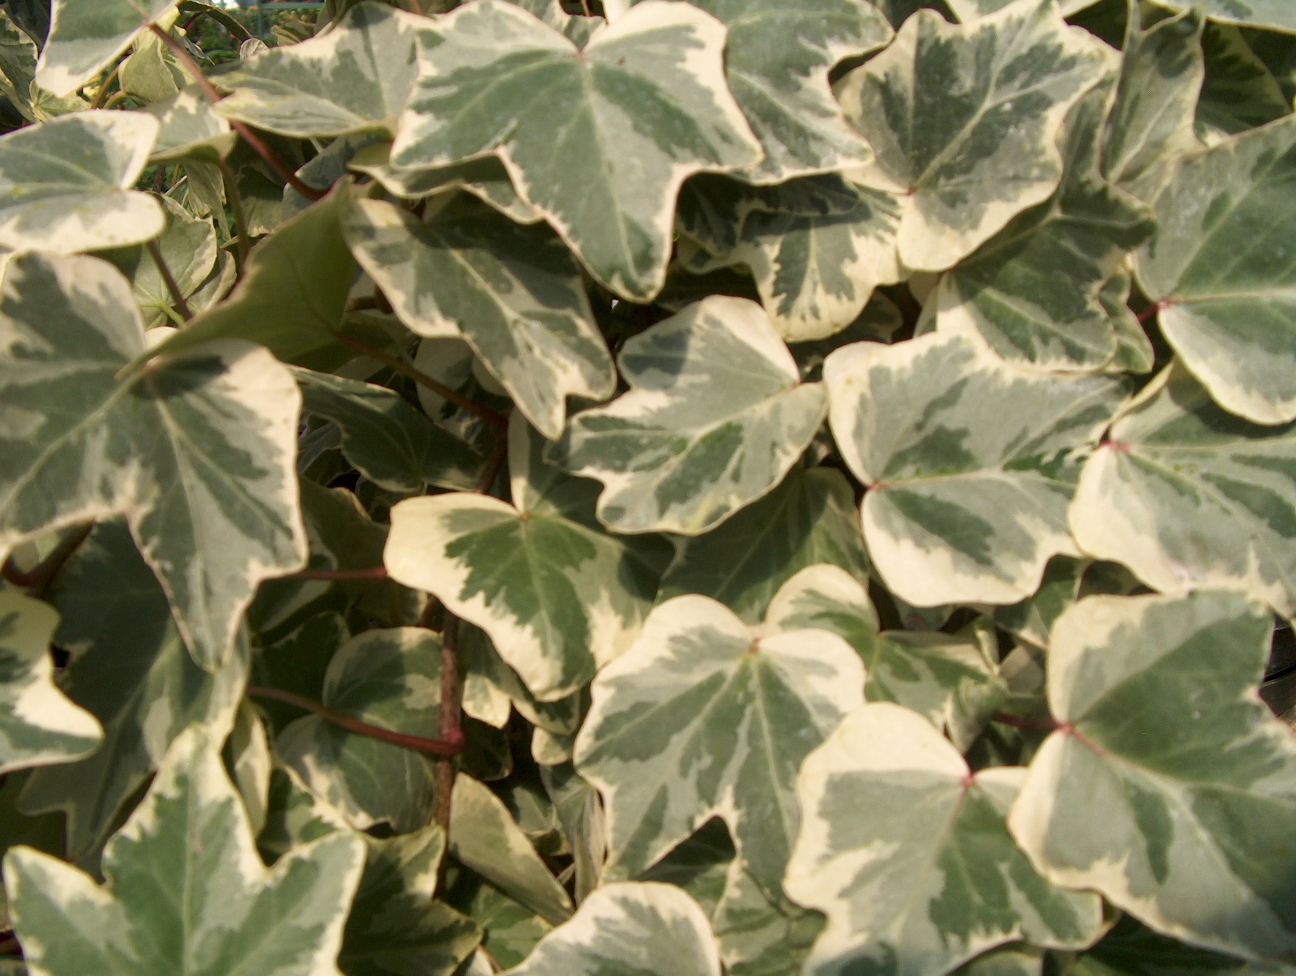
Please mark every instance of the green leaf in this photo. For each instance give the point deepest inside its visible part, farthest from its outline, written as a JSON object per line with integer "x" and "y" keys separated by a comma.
{"x": 969, "y": 10}
{"x": 777, "y": 58}
{"x": 355, "y": 77}
{"x": 968, "y": 461}
{"x": 17, "y": 66}
{"x": 149, "y": 74}
{"x": 513, "y": 292}
{"x": 1239, "y": 91}
{"x": 1033, "y": 291}
{"x": 39, "y": 726}
{"x": 558, "y": 596}
{"x": 715, "y": 416}
{"x": 129, "y": 669}
{"x": 923, "y": 670}
{"x": 638, "y": 115}
{"x": 1224, "y": 288}
{"x": 963, "y": 120}
{"x": 65, "y": 185}
{"x": 249, "y": 762}
{"x": 511, "y": 930}
{"x": 1131, "y": 949}
{"x": 190, "y": 129}
{"x": 1190, "y": 496}
{"x": 215, "y": 909}
{"x": 1011, "y": 960}
{"x": 1272, "y": 14}
{"x": 293, "y": 296}
{"x": 389, "y": 441}
{"x": 1033, "y": 618}
{"x": 809, "y": 518}
{"x": 580, "y": 814}
{"x": 908, "y": 853}
{"x": 389, "y": 678}
{"x": 84, "y": 38}
{"x": 700, "y": 682}
{"x": 197, "y": 453}
{"x": 642, "y": 927}
{"x": 760, "y": 935}
{"x": 294, "y": 815}
{"x": 1169, "y": 786}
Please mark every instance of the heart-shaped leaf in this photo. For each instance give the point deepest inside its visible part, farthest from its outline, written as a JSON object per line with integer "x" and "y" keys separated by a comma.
{"x": 85, "y": 37}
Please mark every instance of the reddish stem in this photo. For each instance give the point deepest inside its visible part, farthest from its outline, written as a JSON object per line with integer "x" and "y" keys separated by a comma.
{"x": 450, "y": 725}
{"x": 38, "y": 580}
{"x": 448, "y": 745}
{"x": 1148, "y": 312}
{"x": 1021, "y": 722}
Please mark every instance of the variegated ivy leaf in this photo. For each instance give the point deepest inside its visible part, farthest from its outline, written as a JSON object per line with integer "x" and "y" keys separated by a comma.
{"x": 1272, "y": 14}
{"x": 777, "y": 58}
{"x": 1010, "y": 960}
{"x": 149, "y": 74}
{"x": 970, "y": 463}
{"x": 356, "y": 76}
{"x": 84, "y": 38}
{"x": 1168, "y": 786}
{"x": 389, "y": 441}
{"x": 760, "y": 934}
{"x": 39, "y": 726}
{"x": 558, "y": 596}
{"x": 1033, "y": 290}
{"x": 129, "y": 669}
{"x": 190, "y": 129}
{"x": 1131, "y": 949}
{"x": 66, "y": 185}
{"x": 389, "y": 678}
{"x": 198, "y": 454}
{"x": 700, "y": 682}
{"x": 640, "y": 927}
{"x": 715, "y": 416}
{"x": 578, "y": 28}
{"x": 923, "y": 670}
{"x": 1239, "y": 91}
{"x": 810, "y": 518}
{"x": 1190, "y": 496}
{"x": 908, "y": 853}
{"x": 214, "y": 909}
{"x": 969, "y": 10}
{"x": 1217, "y": 271}
{"x": 597, "y": 140}
{"x": 513, "y": 292}
{"x": 18, "y": 55}
{"x": 963, "y": 121}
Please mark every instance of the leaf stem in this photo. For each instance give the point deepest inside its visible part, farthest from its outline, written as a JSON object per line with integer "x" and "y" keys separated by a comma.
{"x": 177, "y": 296}
{"x": 102, "y": 93}
{"x": 450, "y": 725}
{"x": 235, "y": 195}
{"x": 250, "y": 137}
{"x": 38, "y": 580}
{"x": 418, "y": 376}
{"x": 445, "y": 746}
{"x": 1021, "y": 722}
{"x": 1147, "y": 313}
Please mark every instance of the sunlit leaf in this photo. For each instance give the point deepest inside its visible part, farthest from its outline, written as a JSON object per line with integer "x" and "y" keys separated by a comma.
{"x": 86, "y": 37}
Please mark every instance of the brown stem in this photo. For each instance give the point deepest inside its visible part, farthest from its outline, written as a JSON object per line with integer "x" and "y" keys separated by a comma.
{"x": 492, "y": 467}
{"x": 340, "y": 575}
{"x": 251, "y": 138}
{"x": 102, "y": 93}
{"x": 436, "y": 747}
{"x": 418, "y": 376}
{"x": 38, "y": 580}
{"x": 450, "y": 725}
{"x": 1021, "y": 722}
{"x": 241, "y": 242}
{"x": 177, "y": 296}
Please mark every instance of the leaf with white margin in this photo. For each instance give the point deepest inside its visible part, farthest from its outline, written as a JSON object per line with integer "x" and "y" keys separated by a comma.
{"x": 760, "y": 935}
{"x": 484, "y": 838}
{"x": 963, "y": 121}
{"x": 715, "y": 417}
{"x": 777, "y": 57}
{"x": 1276, "y": 15}
{"x": 1240, "y": 91}
{"x": 1033, "y": 290}
{"x": 810, "y": 518}
{"x": 700, "y": 682}
{"x": 66, "y": 185}
{"x": 1220, "y": 272}
{"x": 969, "y": 10}
{"x": 1189, "y": 496}
{"x": 909, "y": 855}
{"x": 294, "y": 815}
{"x": 1010, "y": 960}
{"x": 129, "y": 669}
{"x": 388, "y": 440}
{"x": 816, "y": 273}
{"x": 215, "y": 909}
{"x": 190, "y": 129}
{"x": 18, "y": 55}
{"x": 356, "y": 76}
{"x": 597, "y": 140}
{"x": 557, "y": 594}
{"x": 640, "y": 927}
{"x": 574, "y": 26}
{"x": 84, "y": 38}
{"x": 1168, "y": 786}
{"x": 1132, "y": 949}
{"x": 389, "y": 678}
{"x": 923, "y": 670}
{"x": 198, "y": 454}
{"x": 39, "y": 725}
{"x": 514, "y": 293}
{"x": 249, "y": 762}
{"x": 969, "y": 462}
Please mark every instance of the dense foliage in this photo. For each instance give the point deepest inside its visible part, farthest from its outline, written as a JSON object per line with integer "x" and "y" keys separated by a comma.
{"x": 666, "y": 488}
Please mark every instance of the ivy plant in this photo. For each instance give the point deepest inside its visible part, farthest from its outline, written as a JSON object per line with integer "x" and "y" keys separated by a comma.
{"x": 671, "y": 488}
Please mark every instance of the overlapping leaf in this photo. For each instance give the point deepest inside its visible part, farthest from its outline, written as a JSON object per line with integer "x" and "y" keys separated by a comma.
{"x": 189, "y": 128}
{"x": 969, "y": 463}
{"x": 558, "y": 596}
{"x": 1169, "y": 786}
{"x": 1239, "y": 91}
{"x": 760, "y": 934}
{"x": 715, "y": 416}
{"x": 84, "y": 38}
{"x": 701, "y": 683}
{"x": 197, "y": 454}
{"x": 1222, "y": 275}
{"x": 215, "y": 908}
{"x": 1273, "y": 14}
{"x": 963, "y": 121}
{"x": 598, "y": 139}
{"x": 909, "y": 855}
{"x": 514, "y": 293}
